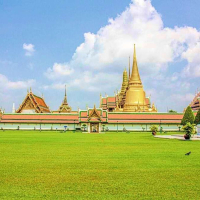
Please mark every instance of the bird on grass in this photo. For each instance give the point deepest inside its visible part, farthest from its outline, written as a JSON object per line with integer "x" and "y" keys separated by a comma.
{"x": 187, "y": 154}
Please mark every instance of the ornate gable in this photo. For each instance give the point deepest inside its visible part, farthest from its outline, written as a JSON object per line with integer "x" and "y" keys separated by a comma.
{"x": 94, "y": 115}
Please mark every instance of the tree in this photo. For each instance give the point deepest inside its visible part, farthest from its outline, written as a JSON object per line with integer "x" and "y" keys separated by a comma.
{"x": 197, "y": 118}
{"x": 154, "y": 129}
{"x": 84, "y": 127}
{"x": 188, "y": 116}
{"x": 189, "y": 129}
{"x": 172, "y": 111}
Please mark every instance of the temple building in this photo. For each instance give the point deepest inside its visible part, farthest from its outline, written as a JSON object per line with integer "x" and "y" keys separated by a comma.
{"x": 132, "y": 97}
{"x": 195, "y": 104}
{"x": 33, "y": 104}
{"x": 64, "y": 108}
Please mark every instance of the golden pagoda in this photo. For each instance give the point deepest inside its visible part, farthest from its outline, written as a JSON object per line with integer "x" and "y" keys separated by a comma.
{"x": 135, "y": 100}
{"x": 64, "y": 108}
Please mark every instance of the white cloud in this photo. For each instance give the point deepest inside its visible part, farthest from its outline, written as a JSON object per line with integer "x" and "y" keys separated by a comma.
{"x": 141, "y": 24}
{"x": 59, "y": 86}
{"x": 89, "y": 81}
{"x": 192, "y": 55}
{"x": 6, "y": 84}
{"x": 185, "y": 98}
{"x": 59, "y": 70}
{"x": 29, "y": 49}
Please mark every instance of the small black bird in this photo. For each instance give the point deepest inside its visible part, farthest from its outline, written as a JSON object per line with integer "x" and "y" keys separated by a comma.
{"x": 187, "y": 154}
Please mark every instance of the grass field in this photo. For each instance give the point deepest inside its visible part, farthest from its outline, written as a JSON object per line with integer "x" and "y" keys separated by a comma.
{"x": 54, "y": 165}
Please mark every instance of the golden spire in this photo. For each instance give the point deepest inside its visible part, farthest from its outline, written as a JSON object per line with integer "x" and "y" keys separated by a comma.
{"x": 100, "y": 100}
{"x": 129, "y": 67}
{"x": 125, "y": 78}
{"x": 65, "y": 98}
{"x": 135, "y": 77}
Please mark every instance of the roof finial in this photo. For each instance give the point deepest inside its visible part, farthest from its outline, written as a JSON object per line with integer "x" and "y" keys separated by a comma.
{"x": 65, "y": 98}
{"x": 30, "y": 89}
{"x": 135, "y": 77}
{"x": 129, "y": 73}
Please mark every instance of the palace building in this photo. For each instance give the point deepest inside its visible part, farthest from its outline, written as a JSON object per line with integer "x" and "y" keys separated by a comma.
{"x": 127, "y": 110}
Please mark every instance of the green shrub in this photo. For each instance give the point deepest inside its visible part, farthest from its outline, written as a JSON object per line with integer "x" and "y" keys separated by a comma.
{"x": 154, "y": 128}
{"x": 189, "y": 129}
{"x": 84, "y": 127}
{"x": 188, "y": 116}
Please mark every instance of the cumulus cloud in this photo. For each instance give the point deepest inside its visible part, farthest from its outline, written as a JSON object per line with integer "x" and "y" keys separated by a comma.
{"x": 5, "y": 83}
{"x": 29, "y": 49}
{"x": 58, "y": 70}
{"x": 141, "y": 24}
{"x": 59, "y": 86}
{"x": 192, "y": 55}
{"x": 95, "y": 82}
{"x": 102, "y": 56}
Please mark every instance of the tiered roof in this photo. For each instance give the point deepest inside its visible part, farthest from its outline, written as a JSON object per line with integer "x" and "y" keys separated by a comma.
{"x": 93, "y": 115}
{"x": 65, "y": 108}
{"x": 33, "y": 102}
{"x": 107, "y": 103}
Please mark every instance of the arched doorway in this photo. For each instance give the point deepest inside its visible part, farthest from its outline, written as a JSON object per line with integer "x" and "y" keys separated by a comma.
{"x": 94, "y": 127}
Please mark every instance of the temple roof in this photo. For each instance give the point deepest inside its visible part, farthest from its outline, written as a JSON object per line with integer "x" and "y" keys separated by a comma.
{"x": 64, "y": 108}
{"x": 34, "y": 102}
{"x": 40, "y": 118}
{"x": 92, "y": 115}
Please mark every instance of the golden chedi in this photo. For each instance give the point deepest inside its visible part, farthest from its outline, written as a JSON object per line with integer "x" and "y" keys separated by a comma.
{"x": 135, "y": 95}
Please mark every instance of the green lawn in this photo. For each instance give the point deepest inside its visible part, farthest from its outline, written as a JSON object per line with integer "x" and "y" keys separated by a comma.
{"x": 54, "y": 165}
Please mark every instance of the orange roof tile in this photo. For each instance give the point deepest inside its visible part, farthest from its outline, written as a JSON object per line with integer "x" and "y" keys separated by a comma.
{"x": 40, "y": 101}
{"x": 111, "y": 99}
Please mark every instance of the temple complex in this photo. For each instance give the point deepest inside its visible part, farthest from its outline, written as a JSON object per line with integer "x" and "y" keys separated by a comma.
{"x": 127, "y": 110}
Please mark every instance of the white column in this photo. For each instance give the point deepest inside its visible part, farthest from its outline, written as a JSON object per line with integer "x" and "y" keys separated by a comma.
{"x": 13, "y": 108}
{"x": 99, "y": 127}
{"x": 88, "y": 127}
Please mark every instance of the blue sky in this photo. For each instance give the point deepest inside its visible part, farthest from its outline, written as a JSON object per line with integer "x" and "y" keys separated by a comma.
{"x": 47, "y": 44}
